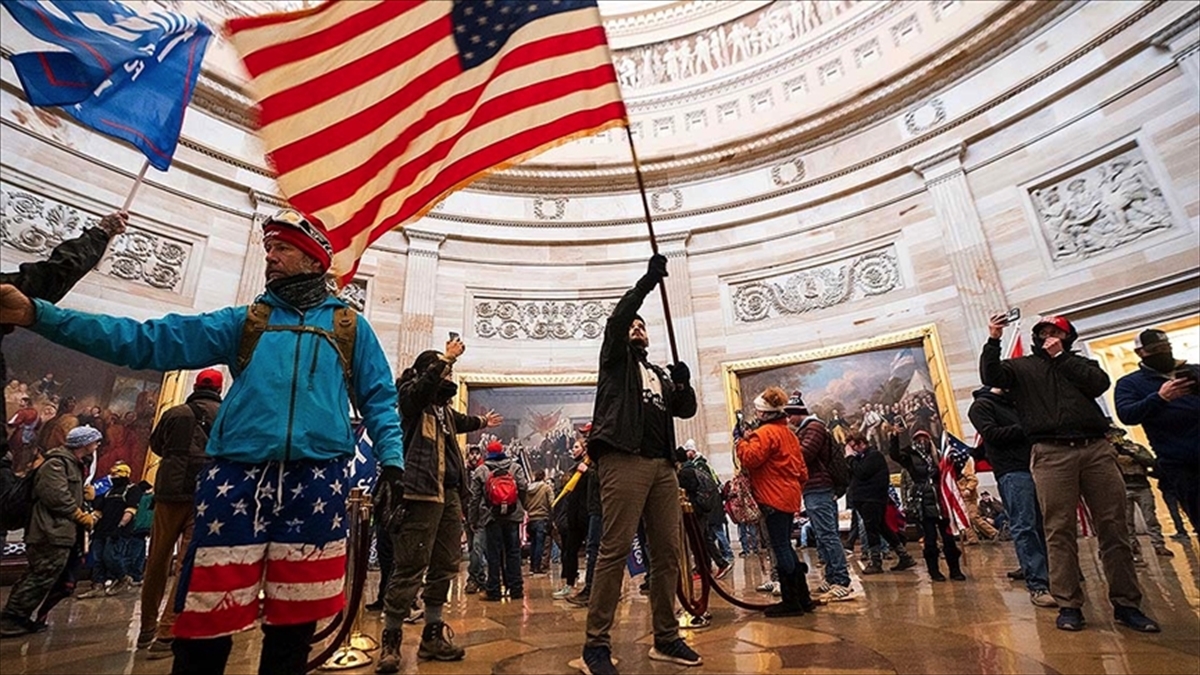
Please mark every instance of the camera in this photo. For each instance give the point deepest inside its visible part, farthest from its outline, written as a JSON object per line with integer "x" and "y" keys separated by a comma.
{"x": 1011, "y": 316}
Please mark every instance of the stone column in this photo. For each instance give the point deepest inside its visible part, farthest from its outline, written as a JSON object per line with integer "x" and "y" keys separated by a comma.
{"x": 420, "y": 295}
{"x": 966, "y": 247}
{"x": 679, "y": 294}
{"x": 1180, "y": 38}
{"x": 254, "y": 267}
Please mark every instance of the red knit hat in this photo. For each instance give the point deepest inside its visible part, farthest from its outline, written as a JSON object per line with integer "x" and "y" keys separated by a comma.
{"x": 495, "y": 448}
{"x": 209, "y": 379}
{"x": 304, "y": 232}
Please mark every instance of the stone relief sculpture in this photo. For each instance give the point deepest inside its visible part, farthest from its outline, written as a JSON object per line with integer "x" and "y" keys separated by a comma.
{"x": 862, "y": 276}
{"x": 542, "y": 319}
{"x": 1101, "y": 208}
{"x": 36, "y": 224}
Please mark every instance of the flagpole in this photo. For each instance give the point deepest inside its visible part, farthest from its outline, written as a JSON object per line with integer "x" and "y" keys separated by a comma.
{"x": 637, "y": 171}
{"x": 137, "y": 183}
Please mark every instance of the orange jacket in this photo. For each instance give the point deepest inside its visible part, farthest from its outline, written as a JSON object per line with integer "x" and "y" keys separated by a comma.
{"x": 771, "y": 457}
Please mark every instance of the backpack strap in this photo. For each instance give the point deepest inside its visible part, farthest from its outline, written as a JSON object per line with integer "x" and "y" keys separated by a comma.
{"x": 257, "y": 315}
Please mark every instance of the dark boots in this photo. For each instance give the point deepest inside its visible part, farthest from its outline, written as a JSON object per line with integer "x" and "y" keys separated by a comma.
{"x": 437, "y": 644}
{"x": 206, "y": 656}
{"x": 905, "y": 562}
{"x": 955, "y": 571}
{"x": 795, "y": 599}
{"x": 285, "y": 649}
{"x": 935, "y": 572}
{"x": 803, "y": 597}
{"x": 389, "y": 651}
{"x": 876, "y": 564}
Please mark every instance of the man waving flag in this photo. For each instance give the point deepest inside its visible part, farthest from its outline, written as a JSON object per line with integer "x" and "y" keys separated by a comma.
{"x": 121, "y": 73}
{"x": 372, "y": 111}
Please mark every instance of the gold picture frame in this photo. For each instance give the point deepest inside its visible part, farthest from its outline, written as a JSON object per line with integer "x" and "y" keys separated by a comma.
{"x": 925, "y": 336}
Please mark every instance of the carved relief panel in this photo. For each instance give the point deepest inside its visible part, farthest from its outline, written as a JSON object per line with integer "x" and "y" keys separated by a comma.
{"x": 35, "y": 224}
{"x": 865, "y": 275}
{"x": 541, "y": 319}
{"x": 1101, "y": 204}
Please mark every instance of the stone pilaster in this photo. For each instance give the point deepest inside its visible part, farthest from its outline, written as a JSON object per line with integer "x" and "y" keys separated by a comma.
{"x": 679, "y": 294}
{"x": 254, "y": 267}
{"x": 966, "y": 247}
{"x": 1181, "y": 38}
{"x": 420, "y": 295}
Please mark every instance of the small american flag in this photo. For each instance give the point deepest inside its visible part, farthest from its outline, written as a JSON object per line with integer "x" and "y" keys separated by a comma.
{"x": 373, "y": 111}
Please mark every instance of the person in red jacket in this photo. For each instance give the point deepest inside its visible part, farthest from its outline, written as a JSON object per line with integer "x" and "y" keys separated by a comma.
{"x": 771, "y": 458}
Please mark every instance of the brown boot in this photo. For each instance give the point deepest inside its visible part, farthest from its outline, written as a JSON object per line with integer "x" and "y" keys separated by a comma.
{"x": 389, "y": 652}
{"x": 437, "y": 644}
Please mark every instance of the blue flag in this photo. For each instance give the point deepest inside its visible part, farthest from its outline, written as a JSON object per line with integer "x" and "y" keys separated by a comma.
{"x": 121, "y": 73}
{"x": 362, "y": 467}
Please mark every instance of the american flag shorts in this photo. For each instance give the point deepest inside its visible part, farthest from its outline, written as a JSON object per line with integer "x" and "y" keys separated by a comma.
{"x": 269, "y": 537}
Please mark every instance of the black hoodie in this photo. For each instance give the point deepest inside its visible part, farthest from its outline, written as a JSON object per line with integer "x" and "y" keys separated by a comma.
{"x": 1005, "y": 444}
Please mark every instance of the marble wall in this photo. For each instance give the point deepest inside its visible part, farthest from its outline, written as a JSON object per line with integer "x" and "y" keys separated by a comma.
{"x": 1061, "y": 175}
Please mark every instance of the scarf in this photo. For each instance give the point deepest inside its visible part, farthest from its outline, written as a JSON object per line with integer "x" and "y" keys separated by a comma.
{"x": 302, "y": 291}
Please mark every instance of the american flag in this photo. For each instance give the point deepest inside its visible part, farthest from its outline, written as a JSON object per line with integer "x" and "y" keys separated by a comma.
{"x": 949, "y": 496}
{"x": 373, "y": 111}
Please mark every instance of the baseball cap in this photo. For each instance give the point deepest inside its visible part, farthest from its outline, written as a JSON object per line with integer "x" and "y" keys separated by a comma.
{"x": 1149, "y": 338}
{"x": 209, "y": 378}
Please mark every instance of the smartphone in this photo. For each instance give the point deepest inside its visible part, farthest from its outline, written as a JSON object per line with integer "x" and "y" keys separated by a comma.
{"x": 1011, "y": 315}
{"x": 453, "y": 336}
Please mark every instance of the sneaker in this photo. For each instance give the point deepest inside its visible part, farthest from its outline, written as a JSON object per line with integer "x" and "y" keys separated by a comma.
{"x": 146, "y": 637}
{"x": 904, "y": 563}
{"x": 777, "y": 591}
{"x": 160, "y": 649}
{"x": 676, "y": 651}
{"x": 1132, "y": 617}
{"x": 96, "y": 591}
{"x": 1163, "y": 552}
{"x": 580, "y": 599}
{"x": 1070, "y": 618}
{"x": 837, "y": 593}
{"x": 563, "y": 592}
{"x": 723, "y": 572}
{"x": 598, "y": 661}
{"x": 767, "y": 587}
{"x": 1016, "y": 575}
{"x": 437, "y": 643}
{"x": 1042, "y": 598}
{"x": 937, "y": 575}
{"x": 389, "y": 652}
{"x": 472, "y": 587}
{"x": 119, "y": 587}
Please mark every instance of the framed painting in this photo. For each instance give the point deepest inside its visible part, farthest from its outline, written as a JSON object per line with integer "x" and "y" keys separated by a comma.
{"x": 66, "y": 388}
{"x": 898, "y": 379}
{"x": 541, "y": 414}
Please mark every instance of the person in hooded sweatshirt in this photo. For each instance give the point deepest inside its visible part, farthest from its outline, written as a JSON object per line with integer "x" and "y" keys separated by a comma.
{"x": 501, "y": 523}
{"x": 1054, "y": 391}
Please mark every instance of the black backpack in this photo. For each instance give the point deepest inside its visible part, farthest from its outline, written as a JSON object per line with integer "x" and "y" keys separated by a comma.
{"x": 708, "y": 493}
{"x": 17, "y": 498}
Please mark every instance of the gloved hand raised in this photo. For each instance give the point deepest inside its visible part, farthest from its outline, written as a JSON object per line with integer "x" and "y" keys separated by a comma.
{"x": 680, "y": 373}
{"x": 657, "y": 267}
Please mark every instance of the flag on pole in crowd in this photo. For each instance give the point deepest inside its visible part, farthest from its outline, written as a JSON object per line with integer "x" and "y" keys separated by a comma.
{"x": 121, "y": 73}
{"x": 949, "y": 497}
{"x": 362, "y": 470}
{"x": 372, "y": 111}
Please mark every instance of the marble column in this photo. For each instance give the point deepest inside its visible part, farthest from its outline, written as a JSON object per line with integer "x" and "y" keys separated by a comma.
{"x": 254, "y": 266}
{"x": 1181, "y": 38}
{"x": 966, "y": 247}
{"x": 679, "y": 294}
{"x": 420, "y": 295}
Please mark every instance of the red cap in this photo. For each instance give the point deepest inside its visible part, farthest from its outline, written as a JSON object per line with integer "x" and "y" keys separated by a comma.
{"x": 209, "y": 378}
{"x": 1059, "y": 322}
{"x": 495, "y": 448}
{"x": 586, "y": 429}
{"x": 302, "y": 231}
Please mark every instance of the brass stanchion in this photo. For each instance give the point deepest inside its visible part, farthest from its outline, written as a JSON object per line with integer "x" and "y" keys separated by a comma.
{"x": 356, "y": 644}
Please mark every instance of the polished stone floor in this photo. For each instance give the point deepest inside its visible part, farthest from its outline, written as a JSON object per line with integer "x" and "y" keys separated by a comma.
{"x": 900, "y": 623}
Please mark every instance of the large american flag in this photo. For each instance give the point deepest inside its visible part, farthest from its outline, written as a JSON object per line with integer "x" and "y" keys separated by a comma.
{"x": 372, "y": 111}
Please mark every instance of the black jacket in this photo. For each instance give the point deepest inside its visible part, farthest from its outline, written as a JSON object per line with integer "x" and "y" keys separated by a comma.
{"x": 924, "y": 477}
{"x": 1005, "y": 444}
{"x": 869, "y": 477}
{"x": 617, "y": 416}
{"x": 425, "y": 451}
{"x": 50, "y": 280}
{"x": 1054, "y": 397}
{"x": 179, "y": 439}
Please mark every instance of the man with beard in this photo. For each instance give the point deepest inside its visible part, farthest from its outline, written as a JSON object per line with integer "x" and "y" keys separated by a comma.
{"x": 272, "y": 503}
{"x": 632, "y": 443}
{"x": 1162, "y": 395}
{"x": 426, "y": 510}
{"x": 1054, "y": 391}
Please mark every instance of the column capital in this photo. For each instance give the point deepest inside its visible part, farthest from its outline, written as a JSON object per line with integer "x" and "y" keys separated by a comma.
{"x": 1167, "y": 36}
{"x": 423, "y": 242}
{"x": 674, "y": 244}
{"x": 941, "y": 164}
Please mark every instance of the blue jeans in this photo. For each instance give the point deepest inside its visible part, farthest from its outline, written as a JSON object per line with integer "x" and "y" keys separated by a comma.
{"x": 722, "y": 537}
{"x": 477, "y": 565}
{"x": 108, "y": 563}
{"x": 1025, "y": 523}
{"x": 132, "y": 550}
{"x": 595, "y": 529}
{"x": 748, "y": 534}
{"x": 536, "y": 530}
{"x": 779, "y": 530}
{"x": 823, "y": 517}
{"x": 504, "y": 558}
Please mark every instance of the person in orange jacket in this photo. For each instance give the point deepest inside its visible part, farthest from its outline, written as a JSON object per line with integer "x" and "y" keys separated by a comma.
{"x": 771, "y": 458}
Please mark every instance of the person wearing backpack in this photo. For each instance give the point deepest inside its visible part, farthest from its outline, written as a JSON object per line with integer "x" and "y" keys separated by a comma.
{"x": 57, "y": 514}
{"x": 179, "y": 440}
{"x": 705, "y": 497}
{"x": 498, "y": 489}
{"x": 828, "y": 478}
{"x": 273, "y": 500}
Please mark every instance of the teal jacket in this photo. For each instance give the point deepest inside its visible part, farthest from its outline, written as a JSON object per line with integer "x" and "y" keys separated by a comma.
{"x": 289, "y": 403}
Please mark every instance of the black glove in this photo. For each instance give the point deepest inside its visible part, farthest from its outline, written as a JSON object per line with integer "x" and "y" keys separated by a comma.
{"x": 391, "y": 488}
{"x": 680, "y": 373}
{"x": 657, "y": 267}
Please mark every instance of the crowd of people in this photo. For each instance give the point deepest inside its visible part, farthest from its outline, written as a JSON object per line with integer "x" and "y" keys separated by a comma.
{"x": 249, "y": 518}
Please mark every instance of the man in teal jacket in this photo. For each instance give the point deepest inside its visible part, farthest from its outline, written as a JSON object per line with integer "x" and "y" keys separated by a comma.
{"x": 271, "y": 504}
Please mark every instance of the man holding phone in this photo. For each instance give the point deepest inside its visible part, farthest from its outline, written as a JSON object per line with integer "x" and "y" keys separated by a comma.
{"x": 1163, "y": 395}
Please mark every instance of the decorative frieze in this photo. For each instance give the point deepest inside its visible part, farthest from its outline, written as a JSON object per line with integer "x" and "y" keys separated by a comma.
{"x": 861, "y": 276}
{"x": 1101, "y": 206}
{"x": 522, "y": 319}
{"x": 36, "y": 224}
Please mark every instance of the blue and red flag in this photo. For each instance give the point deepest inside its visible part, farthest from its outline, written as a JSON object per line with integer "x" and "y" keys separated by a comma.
{"x": 121, "y": 73}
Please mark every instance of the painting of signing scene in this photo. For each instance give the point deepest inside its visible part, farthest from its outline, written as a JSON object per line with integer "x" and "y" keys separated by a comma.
{"x": 540, "y": 420}
{"x": 872, "y": 386}
{"x": 51, "y": 389}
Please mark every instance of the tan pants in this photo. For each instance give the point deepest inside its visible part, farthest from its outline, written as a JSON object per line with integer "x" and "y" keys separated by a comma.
{"x": 1063, "y": 474}
{"x": 173, "y": 521}
{"x": 633, "y": 488}
{"x": 980, "y": 527}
